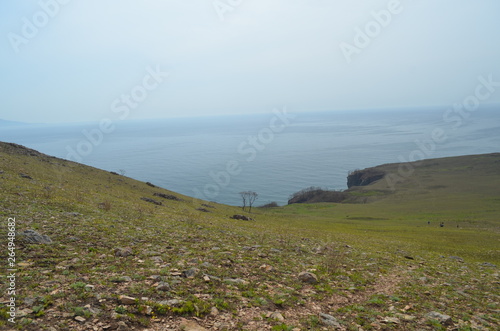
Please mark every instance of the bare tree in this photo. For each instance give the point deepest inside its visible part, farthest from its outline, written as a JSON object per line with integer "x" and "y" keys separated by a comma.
{"x": 244, "y": 196}
{"x": 252, "y": 196}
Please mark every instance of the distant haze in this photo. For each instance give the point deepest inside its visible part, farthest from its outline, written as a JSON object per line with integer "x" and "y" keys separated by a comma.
{"x": 72, "y": 60}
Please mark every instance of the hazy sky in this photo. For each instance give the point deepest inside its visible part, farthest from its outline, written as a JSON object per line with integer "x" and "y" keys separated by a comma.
{"x": 84, "y": 60}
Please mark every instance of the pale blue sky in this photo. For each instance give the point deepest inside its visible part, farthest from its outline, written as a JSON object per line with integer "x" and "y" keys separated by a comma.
{"x": 262, "y": 54}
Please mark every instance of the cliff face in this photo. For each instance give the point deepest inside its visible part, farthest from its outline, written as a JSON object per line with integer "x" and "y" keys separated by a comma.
{"x": 364, "y": 177}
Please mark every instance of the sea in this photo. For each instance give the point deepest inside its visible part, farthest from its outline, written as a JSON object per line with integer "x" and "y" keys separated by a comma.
{"x": 274, "y": 154}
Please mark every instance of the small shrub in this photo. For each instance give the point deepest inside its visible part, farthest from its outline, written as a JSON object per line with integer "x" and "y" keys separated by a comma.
{"x": 78, "y": 285}
{"x": 273, "y": 204}
{"x": 121, "y": 310}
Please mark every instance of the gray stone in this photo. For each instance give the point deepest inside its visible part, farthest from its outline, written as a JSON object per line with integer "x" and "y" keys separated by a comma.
{"x": 89, "y": 287}
{"x": 191, "y": 326}
{"x": 33, "y": 237}
{"x": 126, "y": 300}
{"x": 29, "y": 301}
{"x": 277, "y": 317}
{"x": 190, "y": 273}
{"x": 214, "y": 311}
{"x": 122, "y": 326}
{"x": 210, "y": 277}
{"x": 80, "y": 319}
{"x": 389, "y": 320}
{"x": 157, "y": 259}
{"x": 308, "y": 277}
{"x": 441, "y": 318}
{"x": 329, "y": 320}
{"x": 163, "y": 286}
{"x": 123, "y": 252}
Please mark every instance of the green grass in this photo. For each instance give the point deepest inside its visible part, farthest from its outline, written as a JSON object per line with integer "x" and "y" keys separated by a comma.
{"x": 374, "y": 261}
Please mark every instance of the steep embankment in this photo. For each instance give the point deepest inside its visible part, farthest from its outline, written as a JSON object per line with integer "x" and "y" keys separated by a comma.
{"x": 113, "y": 253}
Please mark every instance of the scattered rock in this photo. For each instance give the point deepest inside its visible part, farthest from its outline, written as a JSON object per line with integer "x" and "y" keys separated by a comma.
{"x": 266, "y": 267}
{"x": 153, "y": 201}
{"x": 150, "y": 184}
{"x": 487, "y": 264}
{"x": 24, "y": 312}
{"x": 123, "y": 252}
{"x": 208, "y": 206}
{"x": 80, "y": 319}
{"x": 406, "y": 317}
{"x": 93, "y": 311}
{"x": 251, "y": 248}
{"x": 29, "y": 301}
{"x": 241, "y": 217}
{"x": 191, "y": 326}
{"x": 214, "y": 311}
{"x": 409, "y": 257}
{"x": 441, "y": 318}
{"x": 157, "y": 259}
{"x": 277, "y": 317}
{"x": 122, "y": 326}
{"x": 203, "y": 210}
{"x": 308, "y": 277}
{"x": 171, "y": 303}
{"x": 235, "y": 281}
{"x": 33, "y": 237}
{"x": 25, "y": 176}
{"x": 89, "y": 287}
{"x": 329, "y": 320}
{"x": 163, "y": 286}
{"x": 393, "y": 320}
{"x": 190, "y": 273}
{"x": 121, "y": 279}
{"x": 167, "y": 196}
{"x": 157, "y": 278}
{"x": 126, "y": 300}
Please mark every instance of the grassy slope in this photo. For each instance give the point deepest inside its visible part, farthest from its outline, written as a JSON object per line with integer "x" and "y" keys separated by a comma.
{"x": 357, "y": 251}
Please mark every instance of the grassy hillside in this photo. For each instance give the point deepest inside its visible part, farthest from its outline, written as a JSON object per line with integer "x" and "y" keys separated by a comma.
{"x": 120, "y": 261}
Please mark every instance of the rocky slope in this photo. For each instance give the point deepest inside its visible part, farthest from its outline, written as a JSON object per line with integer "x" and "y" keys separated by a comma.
{"x": 98, "y": 251}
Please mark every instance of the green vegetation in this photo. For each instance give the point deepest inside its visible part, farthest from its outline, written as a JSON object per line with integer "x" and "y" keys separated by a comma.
{"x": 118, "y": 258}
